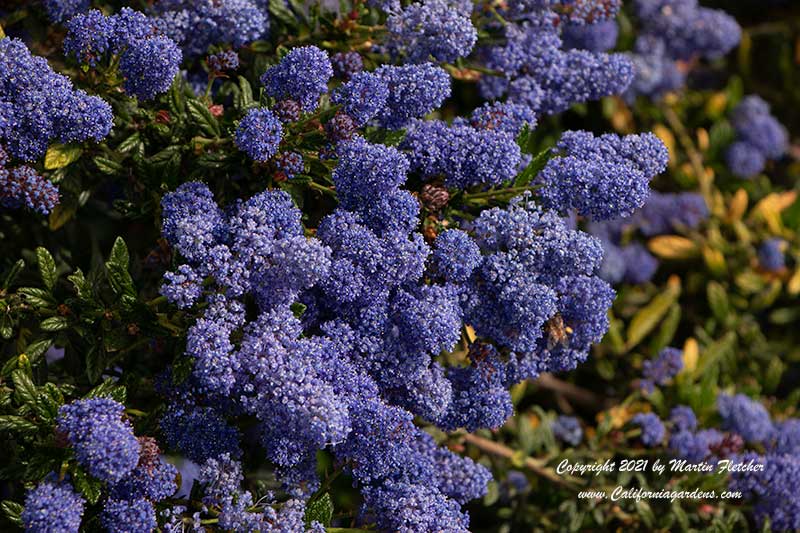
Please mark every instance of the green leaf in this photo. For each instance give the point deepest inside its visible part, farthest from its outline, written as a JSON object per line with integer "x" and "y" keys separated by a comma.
{"x": 130, "y": 144}
{"x": 54, "y": 323}
{"x": 12, "y": 510}
{"x": 646, "y": 513}
{"x": 24, "y": 388}
{"x": 13, "y": 273}
{"x": 320, "y": 510}
{"x": 203, "y": 118}
{"x": 245, "y": 97}
{"x": 647, "y": 318}
{"x": 278, "y": 9}
{"x": 108, "y": 166}
{"x": 61, "y": 155}
{"x": 37, "y": 297}
{"x": 666, "y": 332}
{"x": 120, "y": 279}
{"x": 714, "y": 352}
{"x": 82, "y": 287}
{"x": 534, "y": 167}
{"x": 47, "y": 268}
{"x": 17, "y": 424}
{"x": 91, "y": 488}
{"x": 177, "y": 103}
{"x": 119, "y": 253}
{"x": 298, "y": 309}
{"x": 108, "y": 389}
{"x": 36, "y": 349}
{"x": 718, "y": 301}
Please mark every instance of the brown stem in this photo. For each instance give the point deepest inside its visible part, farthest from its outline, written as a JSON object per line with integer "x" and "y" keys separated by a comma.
{"x": 575, "y": 393}
{"x": 535, "y": 465}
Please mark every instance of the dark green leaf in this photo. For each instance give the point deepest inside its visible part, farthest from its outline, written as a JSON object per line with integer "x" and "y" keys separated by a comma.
{"x": 91, "y": 488}
{"x": 532, "y": 170}
{"x": 47, "y": 268}
{"x": 278, "y": 9}
{"x": 203, "y": 118}
{"x": 245, "y": 97}
{"x": 320, "y": 510}
{"x": 36, "y": 297}
{"x": 119, "y": 253}
{"x": 108, "y": 389}
{"x": 108, "y": 166}
{"x": 24, "y": 388}
{"x": 131, "y": 144}
{"x": 82, "y": 287}
{"x": 17, "y": 424}
{"x": 120, "y": 279}
{"x": 36, "y": 349}
{"x": 54, "y": 323}
{"x": 13, "y": 273}
{"x": 12, "y": 511}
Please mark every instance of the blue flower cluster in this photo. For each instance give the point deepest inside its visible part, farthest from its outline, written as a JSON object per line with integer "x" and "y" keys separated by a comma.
{"x": 601, "y": 177}
{"x": 198, "y": 24}
{"x": 745, "y": 417}
{"x": 40, "y": 106}
{"x": 673, "y": 32}
{"x": 148, "y": 60}
{"x": 223, "y": 61}
{"x": 771, "y": 256}
{"x": 661, "y": 369}
{"x": 431, "y": 29}
{"x": 759, "y": 138}
{"x": 568, "y": 429}
{"x": 302, "y": 75}
{"x": 52, "y": 507}
{"x": 259, "y": 134}
{"x": 132, "y": 470}
{"x": 598, "y": 37}
{"x": 539, "y": 72}
{"x": 23, "y": 187}
{"x": 62, "y": 10}
{"x": 652, "y": 427}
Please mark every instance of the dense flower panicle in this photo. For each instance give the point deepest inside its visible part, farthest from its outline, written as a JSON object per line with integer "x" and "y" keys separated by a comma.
{"x": 431, "y": 29}
{"x": 653, "y": 430}
{"x": 362, "y": 97}
{"x": 40, "y": 106}
{"x": 104, "y": 443}
{"x": 601, "y": 177}
{"x": 695, "y": 447}
{"x": 640, "y": 265}
{"x": 771, "y": 256}
{"x": 465, "y": 156}
{"x": 182, "y": 287}
{"x": 759, "y": 137}
{"x": 568, "y": 429}
{"x": 24, "y": 187}
{"x": 124, "y": 516}
{"x": 366, "y": 171}
{"x": 598, "y": 37}
{"x": 192, "y": 223}
{"x": 62, "y": 10}
{"x": 149, "y": 66}
{"x": 198, "y": 24}
{"x": 787, "y": 436}
{"x": 200, "y": 433}
{"x": 90, "y": 36}
{"x": 410, "y": 508}
{"x": 52, "y": 507}
{"x": 455, "y": 255}
{"x": 683, "y": 418}
{"x": 154, "y": 480}
{"x": 660, "y": 370}
{"x": 345, "y": 64}
{"x": 663, "y": 213}
{"x": 505, "y": 117}
{"x": 301, "y": 75}
{"x": 414, "y": 91}
{"x": 746, "y": 417}
{"x": 223, "y": 61}
{"x": 656, "y": 72}
{"x": 773, "y": 489}
{"x": 688, "y": 30}
{"x": 290, "y": 163}
{"x": 259, "y": 133}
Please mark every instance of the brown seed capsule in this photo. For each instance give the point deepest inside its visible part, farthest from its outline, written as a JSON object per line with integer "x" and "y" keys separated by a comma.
{"x": 434, "y": 197}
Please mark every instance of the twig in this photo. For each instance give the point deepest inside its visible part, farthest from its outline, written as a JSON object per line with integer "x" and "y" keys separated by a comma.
{"x": 575, "y": 393}
{"x": 695, "y": 159}
{"x": 536, "y": 466}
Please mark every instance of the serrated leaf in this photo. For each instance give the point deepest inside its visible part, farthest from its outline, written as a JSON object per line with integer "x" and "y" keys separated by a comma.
{"x": 36, "y": 349}
{"x": 54, "y": 323}
{"x": 130, "y": 144}
{"x": 11, "y": 510}
{"x": 120, "y": 280}
{"x": 119, "y": 253}
{"x": 278, "y": 9}
{"x": 202, "y": 116}
{"x": 320, "y": 510}
{"x": 82, "y": 287}
{"x": 108, "y": 166}
{"x": 534, "y": 167}
{"x": 24, "y": 388}
{"x": 61, "y": 155}
{"x": 13, "y": 273}
{"x": 108, "y": 389}
{"x": 17, "y": 424}
{"x": 36, "y": 297}
{"x": 245, "y": 97}
{"x": 91, "y": 488}
{"x": 47, "y": 268}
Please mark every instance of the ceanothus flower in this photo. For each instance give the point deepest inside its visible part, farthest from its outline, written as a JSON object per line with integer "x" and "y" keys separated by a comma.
{"x": 568, "y": 429}
{"x": 149, "y": 66}
{"x": 362, "y": 97}
{"x": 597, "y": 37}
{"x": 653, "y": 430}
{"x": 683, "y": 418}
{"x": 52, "y": 507}
{"x": 770, "y": 255}
{"x": 414, "y": 91}
{"x": 455, "y": 255}
{"x": 24, "y": 187}
{"x": 124, "y": 516}
{"x": 302, "y": 75}
{"x": 661, "y": 369}
{"x": 200, "y": 433}
{"x": 746, "y": 417}
{"x": 259, "y": 133}
{"x": 431, "y": 28}
{"x": 59, "y": 11}
{"x": 601, "y": 177}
